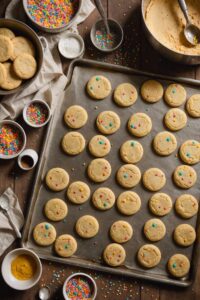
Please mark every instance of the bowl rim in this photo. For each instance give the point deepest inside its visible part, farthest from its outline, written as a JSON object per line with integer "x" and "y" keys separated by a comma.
{"x": 76, "y": 36}
{"x": 36, "y": 101}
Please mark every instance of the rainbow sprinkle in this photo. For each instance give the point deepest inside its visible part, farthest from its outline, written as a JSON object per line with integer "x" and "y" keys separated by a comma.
{"x": 78, "y": 288}
{"x": 11, "y": 140}
{"x": 105, "y": 40}
{"x": 52, "y": 13}
{"x": 36, "y": 114}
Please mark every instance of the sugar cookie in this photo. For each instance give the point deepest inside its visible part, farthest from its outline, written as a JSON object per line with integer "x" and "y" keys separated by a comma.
{"x": 103, "y": 198}
{"x": 154, "y": 179}
{"x": 186, "y": 206}
{"x": 108, "y": 122}
{"x": 87, "y": 226}
{"x": 78, "y": 192}
{"x": 65, "y": 245}
{"x": 55, "y": 209}
{"x": 114, "y": 255}
{"x": 178, "y": 265}
{"x": 131, "y": 152}
{"x": 128, "y": 175}
{"x": 99, "y": 146}
{"x": 128, "y": 203}
{"x": 139, "y": 124}
{"x": 44, "y": 234}
{"x": 57, "y": 179}
{"x": 99, "y": 170}
{"x": 152, "y": 91}
{"x": 154, "y": 230}
{"x": 149, "y": 256}
{"x": 184, "y": 235}
{"x": 73, "y": 143}
{"x": 75, "y": 116}
{"x": 160, "y": 204}
{"x": 185, "y": 176}
{"x": 193, "y": 106}
{"x": 25, "y": 66}
{"x": 164, "y": 143}
{"x": 125, "y": 94}
{"x": 98, "y": 87}
{"x": 6, "y": 49}
{"x": 22, "y": 45}
{"x": 2, "y": 74}
{"x": 175, "y": 119}
{"x": 190, "y": 152}
{"x": 175, "y": 95}
{"x": 121, "y": 231}
{"x": 7, "y": 32}
{"x": 12, "y": 80}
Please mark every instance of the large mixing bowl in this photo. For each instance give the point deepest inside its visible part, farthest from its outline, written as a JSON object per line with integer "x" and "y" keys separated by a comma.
{"x": 166, "y": 52}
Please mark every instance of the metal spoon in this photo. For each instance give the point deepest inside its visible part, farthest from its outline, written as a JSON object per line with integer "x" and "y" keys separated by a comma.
{"x": 44, "y": 293}
{"x": 191, "y": 32}
{"x": 101, "y": 10}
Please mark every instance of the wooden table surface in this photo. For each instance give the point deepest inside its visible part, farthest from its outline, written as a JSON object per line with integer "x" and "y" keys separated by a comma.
{"x": 137, "y": 53}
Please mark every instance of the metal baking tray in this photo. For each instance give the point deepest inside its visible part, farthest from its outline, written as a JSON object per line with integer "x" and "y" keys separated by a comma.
{"x": 89, "y": 254}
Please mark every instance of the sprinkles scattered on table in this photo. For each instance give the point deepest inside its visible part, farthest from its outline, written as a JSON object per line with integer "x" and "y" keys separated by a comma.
{"x": 78, "y": 288}
{"x": 11, "y": 140}
{"x": 37, "y": 114}
{"x": 52, "y": 13}
{"x": 105, "y": 40}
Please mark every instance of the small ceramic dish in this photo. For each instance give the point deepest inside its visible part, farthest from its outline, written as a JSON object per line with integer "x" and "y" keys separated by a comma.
{"x": 8, "y": 276}
{"x": 18, "y": 143}
{"x": 71, "y": 46}
{"x": 27, "y": 159}
{"x": 37, "y": 113}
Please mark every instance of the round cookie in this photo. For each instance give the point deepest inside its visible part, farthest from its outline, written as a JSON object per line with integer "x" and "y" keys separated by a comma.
{"x": 184, "y": 235}
{"x": 57, "y": 179}
{"x": 44, "y": 234}
{"x": 128, "y": 203}
{"x": 190, "y": 152}
{"x": 12, "y": 81}
{"x": 114, "y": 255}
{"x": 164, "y": 143}
{"x": 125, "y": 94}
{"x": 139, "y": 124}
{"x": 25, "y": 66}
{"x": 186, "y": 206}
{"x": 160, "y": 204}
{"x": 128, "y": 175}
{"x": 108, "y": 122}
{"x": 131, "y": 152}
{"x": 22, "y": 45}
{"x": 98, "y": 87}
{"x": 154, "y": 179}
{"x": 78, "y": 192}
{"x": 7, "y": 32}
{"x": 121, "y": 231}
{"x": 87, "y": 226}
{"x": 175, "y": 119}
{"x": 55, "y": 209}
{"x": 103, "y": 198}
{"x": 75, "y": 116}
{"x": 154, "y": 230}
{"x": 73, "y": 143}
{"x": 2, "y": 74}
{"x": 193, "y": 106}
{"x": 6, "y": 49}
{"x": 149, "y": 256}
{"x": 99, "y": 146}
{"x": 152, "y": 91}
{"x": 65, "y": 245}
{"x": 185, "y": 176}
{"x": 99, "y": 170}
{"x": 175, "y": 95}
{"x": 178, "y": 265}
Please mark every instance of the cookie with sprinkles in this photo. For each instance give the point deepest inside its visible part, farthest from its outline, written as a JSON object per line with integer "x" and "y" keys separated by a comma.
{"x": 103, "y": 198}
{"x": 131, "y": 151}
{"x": 175, "y": 95}
{"x": 160, "y": 204}
{"x": 164, "y": 143}
{"x": 108, "y": 122}
{"x": 65, "y": 245}
{"x": 78, "y": 192}
{"x": 99, "y": 170}
{"x": 125, "y": 94}
{"x": 128, "y": 203}
{"x": 98, "y": 87}
{"x": 186, "y": 206}
{"x": 175, "y": 119}
{"x": 190, "y": 152}
{"x": 87, "y": 226}
{"x": 57, "y": 179}
{"x": 55, "y": 209}
{"x": 73, "y": 143}
{"x": 114, "y": 255}
{"x": 44, "y": 234}
{"x": 139, "y": 124}
{"x": 178, "y": 265}
{"x": 193, "y": 106}
{"x": 149, "y": 256}
{"x": 99, "y": 146}
{"x": 185, "y": 176}
{"x": 128, "y": 175}
{"x": 184, "y": 235}
{"x": 154, "y": 230}
{"x": 75, "y": 116}
{"x": 154, "y": 179}
{"x": 121, "y": 231}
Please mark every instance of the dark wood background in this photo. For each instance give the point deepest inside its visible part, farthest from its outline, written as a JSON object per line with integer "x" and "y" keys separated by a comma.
{"x": 137, "y": 53}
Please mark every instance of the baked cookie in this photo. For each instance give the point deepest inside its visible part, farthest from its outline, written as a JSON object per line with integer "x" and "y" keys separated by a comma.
{"x": 7, "y": 32}
{"x": 87, "y": 226}
{"x": 25, "y": 66}
{"x": 154, "y": 179}
{"x": 190, "y": 152}
{"x": 193, "y": 106}
{"x": 184, "y": 235}
{"x": 164, "y": 143}
{"x": 99, "y": 146}
{"x": 6, "y": 49}
{"x": 149, "y": 256}
{"x": 139, "y": 124}
{"x": 55, "y": 209}
{"x": 75, "y": 116}
{"x": 114, "y": 255}
{"x": 128, "y": 203}
{"x": 131, "y": 152}
{"x": 99, "y": 170}
{"x": 186, "y": 206}
{"x": 103, "y": 198}
{"x": 12, "y": 80}
{"x": 57, "y": 179}
{"x": 2, "y": 74}
{"x": 152, "y": 91}
{"x": 185, "y": 176}
{"x": 175, "y": 119}
{"x": 121, "y": 231}
{"x": 98, "y": 87}
{"x": 175, "y": 95}
{"x": 125, "y": 94}
{"x": 73, "y": 143}
{"x": 178, "y": 265}
{"x": 44, "y": 234}
{"x": 78, "y": 192}
{"x": 154, "y": 230}
{"x": 160, "y": 204}
{"x": 128, "y": 175}
{"x": 65, "y": 245}
{"x": 22, "y": 45}
{"x": 108, "y": 122}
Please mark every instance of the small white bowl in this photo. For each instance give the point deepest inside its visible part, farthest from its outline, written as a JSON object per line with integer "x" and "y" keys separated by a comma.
{"x": 88, "y": 278}
{"x": 8, "y": 276}
{"x": 41, "y": 102}
{"x": 66, "y": 50}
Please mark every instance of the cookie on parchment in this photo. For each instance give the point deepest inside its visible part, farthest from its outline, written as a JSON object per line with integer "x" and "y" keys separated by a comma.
{"x": 73, "y": 143}
{"x": 154, "y": 230}
{"x": 139, "y": 124}
{"x": 125, "y": 94}
{"x": 75, "y": 116}
{"x": 149, "y": 256}
{"x": 164, "y": 143}
{"x": 175, "y": 95}
{"x": 128, "y": 203}
{"x": 25, "y": 66}
{"x": 131, "y": 151}
{"x": 99, "y": 146}
{"x": 185, "y": 176}
{"x": 186, "y": 206}
{"x": 108, "y": 122}
{"x": 114, "y": 255}
{"x": 55, "y": 209}
{"x": 99, "y": 170}
{"x": 78, "y": 192}
{"x": 121, "y": 231}
{"x": 128, "y": 175}
{"x": 152, "y": 91}
{"x": 193, "y": 106}
{"x": 57, "y": 179}
{"x": 98, "y": 87}
{"x": 184, "y": 235}
{"x": 190, "y": 152}
{"x": 44, "y": 234}
{"x": 154, "y": 179}
{"x": 160, "y": 204}
{"x": 178, "y": 265}
{"x": 65, "y": 245}
{"x": 103, "y": 198}
{"x": 175, "y": 119}
{"x": 87, "y": 226}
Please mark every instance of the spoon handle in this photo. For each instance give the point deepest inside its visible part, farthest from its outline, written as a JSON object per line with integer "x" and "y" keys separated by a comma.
{"x": 101, "y": 10}
{"x": 18, "y": 233}
{"x": 184, "y": 9}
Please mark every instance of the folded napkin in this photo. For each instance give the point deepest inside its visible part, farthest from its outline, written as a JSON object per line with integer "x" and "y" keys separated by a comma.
{"x": 7, "y": 233}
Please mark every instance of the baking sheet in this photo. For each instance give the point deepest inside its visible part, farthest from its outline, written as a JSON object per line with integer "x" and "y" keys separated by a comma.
{"x": 89, "y": 251}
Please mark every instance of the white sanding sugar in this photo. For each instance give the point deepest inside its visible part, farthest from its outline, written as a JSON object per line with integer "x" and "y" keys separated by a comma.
{"x": 70, "y": 47}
